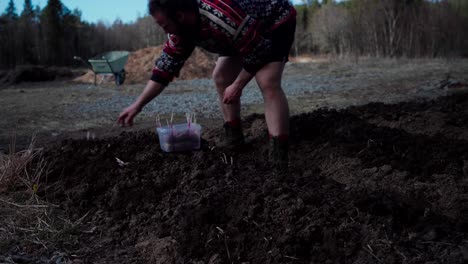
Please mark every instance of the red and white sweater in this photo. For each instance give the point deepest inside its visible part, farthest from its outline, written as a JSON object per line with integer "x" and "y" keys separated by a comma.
{"x": 227, "y": 27}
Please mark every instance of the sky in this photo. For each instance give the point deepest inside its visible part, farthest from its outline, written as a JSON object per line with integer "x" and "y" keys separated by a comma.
{"x": 97, "y": 10}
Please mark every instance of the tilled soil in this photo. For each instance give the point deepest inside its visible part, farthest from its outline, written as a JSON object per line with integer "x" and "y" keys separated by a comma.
{"x": 368, "y": 184}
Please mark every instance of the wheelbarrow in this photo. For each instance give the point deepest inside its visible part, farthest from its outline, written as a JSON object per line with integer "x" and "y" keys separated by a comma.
{"x": 112, "y": 62}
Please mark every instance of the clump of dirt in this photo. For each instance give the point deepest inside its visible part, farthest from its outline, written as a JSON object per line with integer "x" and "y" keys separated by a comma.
{"x": 34, "y": 73}
{"x": 141, "y": 62}
{"x": 358, "y": 190}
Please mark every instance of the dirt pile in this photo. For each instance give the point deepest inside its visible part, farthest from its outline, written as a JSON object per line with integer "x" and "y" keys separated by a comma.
{"x": 141, "y": 62}
{"x": 34, "y": 73}
{"x": 371, "y": 184}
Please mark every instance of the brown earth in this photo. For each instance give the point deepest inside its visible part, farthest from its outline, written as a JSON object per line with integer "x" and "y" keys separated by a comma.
{"x": 368, "y": 184}
{"x": 35, "y": 73}
{"x": 141, "y": 62}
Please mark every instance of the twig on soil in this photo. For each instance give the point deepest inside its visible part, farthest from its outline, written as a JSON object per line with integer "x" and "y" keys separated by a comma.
{"x": 121, "y": 162}
{"x": 362, "y": 150}
{"x": 401, "y": 254}
{"x": 372, "y": 254}
{"x": 77, "y": 222}
{"x": 221, "y": 232}
{"x": 437, "y": 242}
{"x": 199, "y": 195}
{"x": 227, "y": 161}
{"x": 224, "y": 158}
{"x": 91, "y": 231}
{"x": 289, "y": 257}
{"x": 369, "y": 141}
{"x": 25, "y": 206}
{"x": 41, "y": 221}
{"x": 37, "y": 241}
{"x": 389, "y": 244}
{"x": 227, "y": 248}
{"x": 25, "y": 230}
{"x": 80, "y": 221}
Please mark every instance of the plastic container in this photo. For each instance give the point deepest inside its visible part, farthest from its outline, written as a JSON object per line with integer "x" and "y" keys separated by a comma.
{"x": 179, "y": 137}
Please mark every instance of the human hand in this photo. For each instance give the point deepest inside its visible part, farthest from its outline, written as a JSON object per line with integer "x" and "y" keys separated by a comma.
{"x": 232, "y": 94}
{"x": 127, "y": 115}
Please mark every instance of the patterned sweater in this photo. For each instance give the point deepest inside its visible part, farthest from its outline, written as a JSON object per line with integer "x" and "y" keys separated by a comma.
{"x": 227, "y": 27}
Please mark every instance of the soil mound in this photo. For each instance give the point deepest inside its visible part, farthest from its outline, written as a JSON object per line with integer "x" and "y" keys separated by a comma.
{"x": 141, "y": 62}
{"x": 33, "y": 73}
{"x": 363, "y": 187}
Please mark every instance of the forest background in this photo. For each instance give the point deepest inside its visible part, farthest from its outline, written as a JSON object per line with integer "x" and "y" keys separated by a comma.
{"x": 53, "y": 35}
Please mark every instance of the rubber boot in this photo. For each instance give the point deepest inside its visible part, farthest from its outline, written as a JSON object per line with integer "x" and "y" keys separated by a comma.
{"x": 278, "y": 154}
{"x": 234, "y": 137}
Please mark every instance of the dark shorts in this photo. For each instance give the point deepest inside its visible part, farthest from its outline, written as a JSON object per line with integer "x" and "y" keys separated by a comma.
{"x": 282, "y": 38}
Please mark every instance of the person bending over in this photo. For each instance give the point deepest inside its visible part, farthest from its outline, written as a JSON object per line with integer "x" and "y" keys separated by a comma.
{"x": 252, "y": 38}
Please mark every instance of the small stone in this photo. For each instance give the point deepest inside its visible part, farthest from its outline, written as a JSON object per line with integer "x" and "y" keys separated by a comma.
{"x": 464, "y": 251}
{"x": 215, "y": 259}
{"x": 386, "y": 169}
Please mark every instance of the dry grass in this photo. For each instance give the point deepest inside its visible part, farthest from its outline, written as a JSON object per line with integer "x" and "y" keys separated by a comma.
{"x": 35, "y": 226}
{"x": 18, "y": 168}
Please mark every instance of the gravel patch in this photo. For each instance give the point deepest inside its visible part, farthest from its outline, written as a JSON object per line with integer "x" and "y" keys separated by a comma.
{"x": 403, "y": 82}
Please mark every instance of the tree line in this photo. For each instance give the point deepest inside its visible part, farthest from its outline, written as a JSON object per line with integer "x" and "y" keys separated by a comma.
{"x": 382, "y": 28}
{"x": 54, "y": 35}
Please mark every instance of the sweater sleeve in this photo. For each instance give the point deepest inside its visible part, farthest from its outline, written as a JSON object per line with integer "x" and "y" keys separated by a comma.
{"x": 173, "y": 56}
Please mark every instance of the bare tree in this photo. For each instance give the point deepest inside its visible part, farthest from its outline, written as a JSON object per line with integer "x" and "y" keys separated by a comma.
{"x": 329, "y": 28}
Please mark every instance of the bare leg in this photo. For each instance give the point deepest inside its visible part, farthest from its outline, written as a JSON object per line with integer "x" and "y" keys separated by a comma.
{"x": 225, "y": 72}
{"x": 276, "y": 103}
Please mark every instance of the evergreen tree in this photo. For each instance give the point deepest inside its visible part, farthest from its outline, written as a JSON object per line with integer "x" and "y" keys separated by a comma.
{"x": 27, "y": 35}
{"x": 28, "y": 10}
{"x": 10, "y": 11}
{"x": 51, "y": 21}
{"x": 8, "y": 27}
{"x": 71, "y": 22}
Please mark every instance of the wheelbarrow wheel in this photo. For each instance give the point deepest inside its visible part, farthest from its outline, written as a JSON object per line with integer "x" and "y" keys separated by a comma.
{"x": 120, "y": 77}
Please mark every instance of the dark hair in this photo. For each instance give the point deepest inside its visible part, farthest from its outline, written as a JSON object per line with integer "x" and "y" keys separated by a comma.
{"x": 170, "y": 7}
